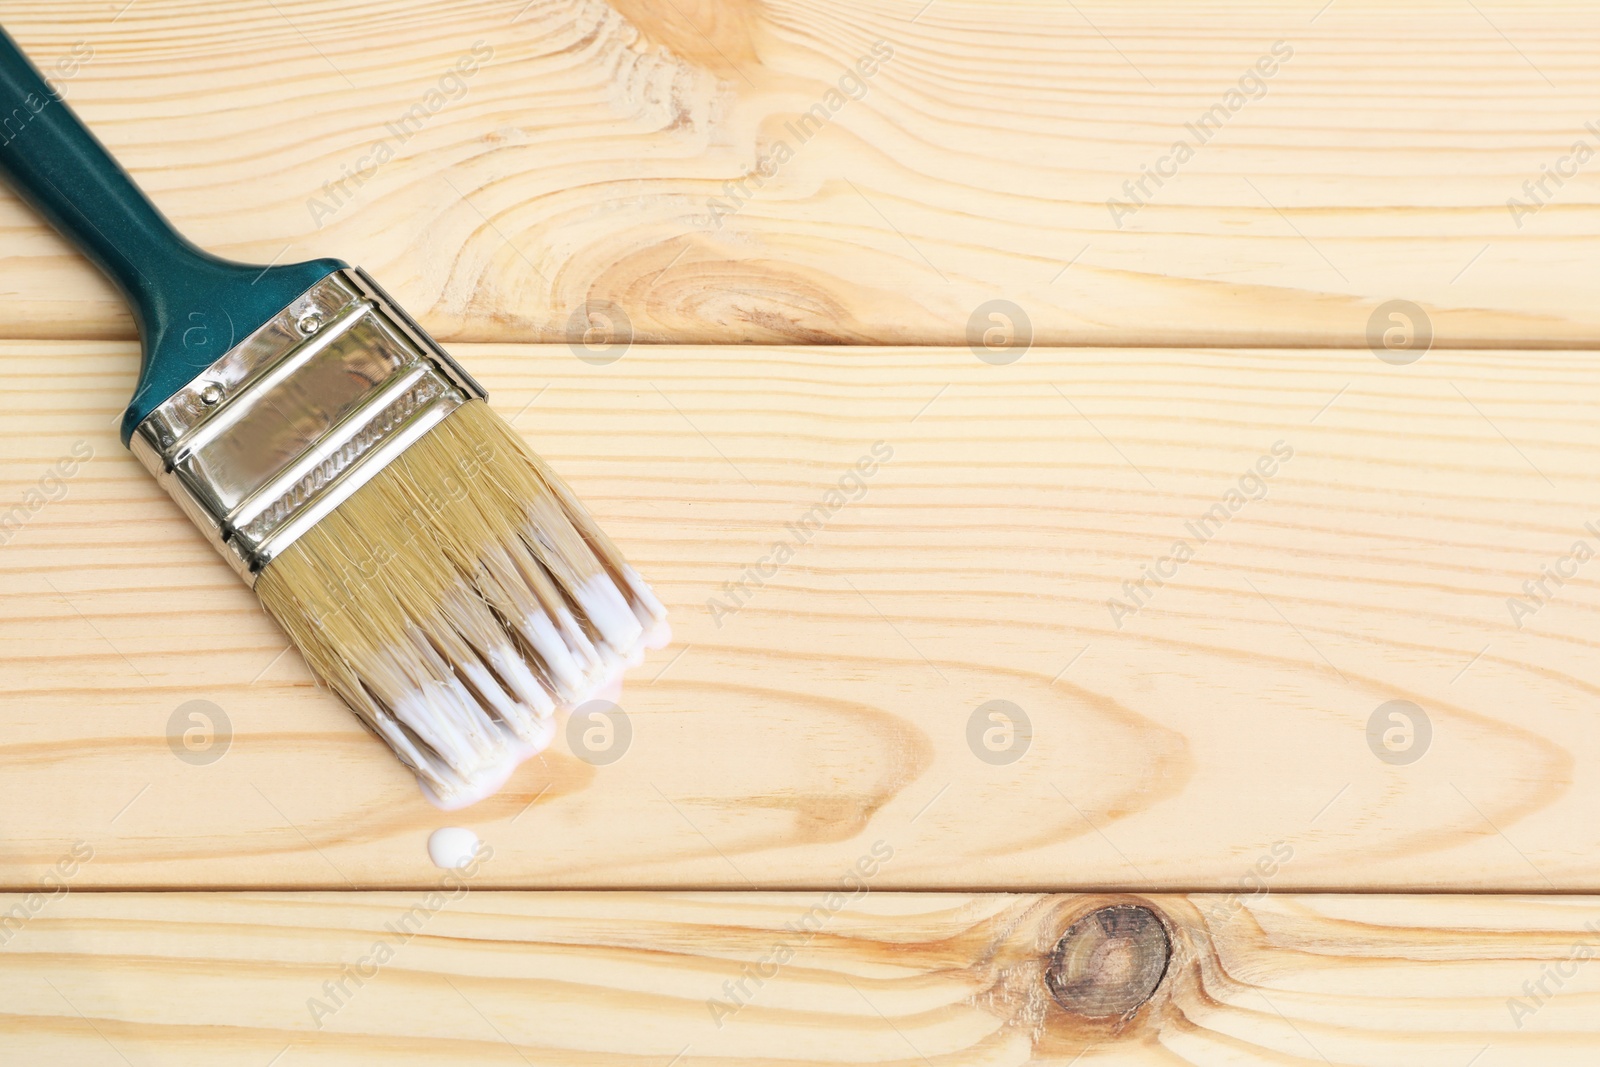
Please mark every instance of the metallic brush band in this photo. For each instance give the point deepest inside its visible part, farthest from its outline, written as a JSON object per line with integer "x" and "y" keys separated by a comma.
{"x": 299, "y": 415}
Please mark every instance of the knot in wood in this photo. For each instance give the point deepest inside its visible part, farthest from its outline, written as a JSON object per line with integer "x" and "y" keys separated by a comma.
{"x": 1109, "y": 962}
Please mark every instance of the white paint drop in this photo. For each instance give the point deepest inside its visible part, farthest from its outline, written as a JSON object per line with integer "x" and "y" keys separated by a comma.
{"x": 452, "y": 847}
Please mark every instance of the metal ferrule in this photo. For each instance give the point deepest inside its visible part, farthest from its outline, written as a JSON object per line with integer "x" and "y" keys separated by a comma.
{"x": 299, "y": 415}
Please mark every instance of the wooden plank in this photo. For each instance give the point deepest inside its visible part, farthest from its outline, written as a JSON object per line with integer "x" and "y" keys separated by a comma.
{"x": 588, "y": 162}
{"x": 1240, "y": 710}
{"x": 766, "y": 979}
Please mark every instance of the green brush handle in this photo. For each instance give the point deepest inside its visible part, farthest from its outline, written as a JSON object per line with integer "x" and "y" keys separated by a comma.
{"x": 190, "y": 306}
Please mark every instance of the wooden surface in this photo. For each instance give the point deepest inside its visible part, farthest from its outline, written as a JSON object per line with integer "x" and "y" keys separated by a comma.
{"x": 581, "y": 161}
{"x": 1171, "y": 748}
{"x": 1230, "y": 728}
{"x": 632, "y": 978}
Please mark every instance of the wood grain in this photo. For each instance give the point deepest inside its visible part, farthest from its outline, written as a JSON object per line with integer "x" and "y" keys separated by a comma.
{"x": 582, "y": 164}
{"x": 848, "y": 700}
{"x": 632, "y": 978}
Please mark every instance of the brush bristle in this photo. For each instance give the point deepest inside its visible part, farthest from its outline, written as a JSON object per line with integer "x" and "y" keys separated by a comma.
{"x": 459, "y": 599}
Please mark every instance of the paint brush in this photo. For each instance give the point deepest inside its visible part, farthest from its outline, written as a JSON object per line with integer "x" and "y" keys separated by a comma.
{"x": 432, "y": 570}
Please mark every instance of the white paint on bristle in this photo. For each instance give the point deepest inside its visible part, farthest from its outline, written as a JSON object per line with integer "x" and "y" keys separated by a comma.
{"x": 478, "y": 625}
{"x": 493, "y": 759}
{"x": 660, "y": 635}
{"x": 452, "y": 847}
{"x": 605, "y": 606}
{"x": 491, "y": 774}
